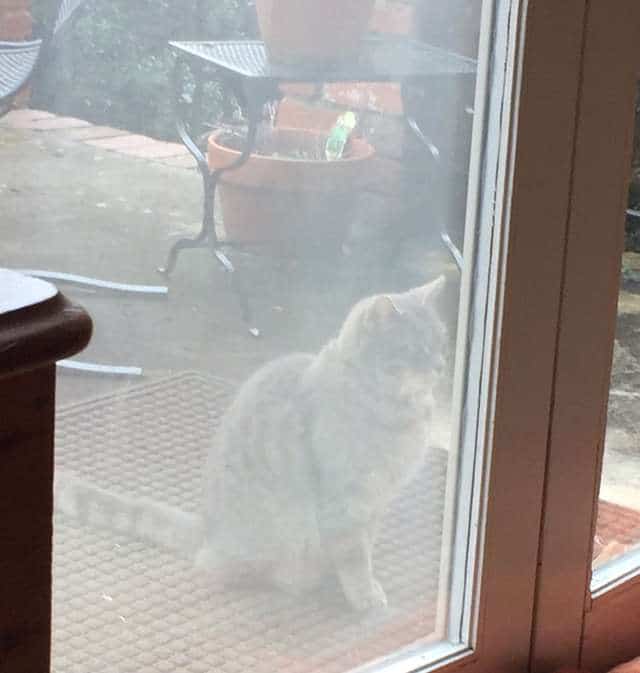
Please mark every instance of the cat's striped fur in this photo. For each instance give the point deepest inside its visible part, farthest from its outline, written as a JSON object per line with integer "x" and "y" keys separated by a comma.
{"x": 307, "y": 457}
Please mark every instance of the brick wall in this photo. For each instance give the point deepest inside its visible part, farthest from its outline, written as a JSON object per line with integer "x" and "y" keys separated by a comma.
{"x": 409, "y": 192}
{"x": 15, "y": 19}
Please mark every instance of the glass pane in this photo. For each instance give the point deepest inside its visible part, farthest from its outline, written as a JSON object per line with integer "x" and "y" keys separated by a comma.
{"x": 265, "y": 457}
{"x": 618, "y": 525}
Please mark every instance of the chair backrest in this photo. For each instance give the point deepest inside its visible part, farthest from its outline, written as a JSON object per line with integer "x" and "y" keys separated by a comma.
{"x": 17, "y": 63}
{"x": 19, "y": 60}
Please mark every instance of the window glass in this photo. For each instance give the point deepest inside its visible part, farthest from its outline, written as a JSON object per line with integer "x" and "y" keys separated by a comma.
{"x": 266, "y": 457}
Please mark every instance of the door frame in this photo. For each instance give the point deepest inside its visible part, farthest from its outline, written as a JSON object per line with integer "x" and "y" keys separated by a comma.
{"x": 572, "y": 627}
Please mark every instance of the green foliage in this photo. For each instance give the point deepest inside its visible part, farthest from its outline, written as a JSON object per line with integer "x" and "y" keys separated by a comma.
{"x": 112, "y": 64}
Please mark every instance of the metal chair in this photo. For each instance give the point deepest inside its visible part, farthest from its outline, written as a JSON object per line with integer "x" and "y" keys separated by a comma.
{"x": 20, "y": 60}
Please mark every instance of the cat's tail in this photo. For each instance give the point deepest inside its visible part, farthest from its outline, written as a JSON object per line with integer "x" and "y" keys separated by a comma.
{"x": 141, "y": 518}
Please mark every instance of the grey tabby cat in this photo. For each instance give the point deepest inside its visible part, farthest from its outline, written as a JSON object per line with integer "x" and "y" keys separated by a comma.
{"x": 307, "y": 457}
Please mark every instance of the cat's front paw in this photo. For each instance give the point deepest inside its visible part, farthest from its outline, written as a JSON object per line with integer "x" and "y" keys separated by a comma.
{"x": 373, "y": 598}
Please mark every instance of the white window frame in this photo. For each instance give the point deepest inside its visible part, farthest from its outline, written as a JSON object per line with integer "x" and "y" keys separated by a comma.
{"x": 528, "y": 161}
{"x": 572, "y": 625}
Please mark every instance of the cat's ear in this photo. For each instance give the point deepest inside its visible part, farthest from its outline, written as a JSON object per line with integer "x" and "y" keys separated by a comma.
{"x": 418, "y": 297}
{"x": 431, "y": 290}
{"x": 382, "y": 308}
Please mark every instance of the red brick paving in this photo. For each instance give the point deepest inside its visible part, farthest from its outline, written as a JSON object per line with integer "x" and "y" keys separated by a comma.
{"x": 617, "y": 528}
{"x": 103, "y": 137}
{"x": 58, "y": 123}
{"x": 95, "y": 132}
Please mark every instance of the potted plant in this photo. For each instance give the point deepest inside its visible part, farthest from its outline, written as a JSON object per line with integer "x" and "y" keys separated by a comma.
{"x": 317, "y": 32}
{"x": 289, "y": 193}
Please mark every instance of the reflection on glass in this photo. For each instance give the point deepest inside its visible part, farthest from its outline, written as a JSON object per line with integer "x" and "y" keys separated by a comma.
{"x": 618, "y": 526}
{"x": 277, "y": 490}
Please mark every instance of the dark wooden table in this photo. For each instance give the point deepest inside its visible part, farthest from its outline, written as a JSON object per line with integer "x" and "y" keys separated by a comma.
{"x": 37, "y": 327}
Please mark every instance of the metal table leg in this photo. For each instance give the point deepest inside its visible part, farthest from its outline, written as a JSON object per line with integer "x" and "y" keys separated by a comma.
{"x": 253, "y": 99}
{"x": 207, "y": 237}
{"x": 207, "y": 230}
{"x": 435, "y": 153}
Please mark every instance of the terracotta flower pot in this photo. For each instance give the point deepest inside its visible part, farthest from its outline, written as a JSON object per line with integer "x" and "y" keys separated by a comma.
{"x": 313, "y": 31}
{"x": 293, "y": 203}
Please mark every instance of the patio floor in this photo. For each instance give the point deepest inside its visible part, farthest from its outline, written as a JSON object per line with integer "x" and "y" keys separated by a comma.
{"x": 146, "y": 607}
{"x": 111, "y": 207}
{"x": 99, "y": 202}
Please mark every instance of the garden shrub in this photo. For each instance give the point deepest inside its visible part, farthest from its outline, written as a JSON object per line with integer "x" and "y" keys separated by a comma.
{"x": 112, "y": 64}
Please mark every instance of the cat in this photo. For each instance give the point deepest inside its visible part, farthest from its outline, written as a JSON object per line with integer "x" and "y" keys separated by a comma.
{"x": 307, "y": 457}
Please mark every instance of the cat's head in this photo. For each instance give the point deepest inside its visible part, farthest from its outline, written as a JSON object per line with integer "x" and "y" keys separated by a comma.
{"x": 398, "y": 332}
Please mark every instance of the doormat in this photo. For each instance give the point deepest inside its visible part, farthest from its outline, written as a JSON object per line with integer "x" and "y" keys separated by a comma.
{"x": 123, "y": 606}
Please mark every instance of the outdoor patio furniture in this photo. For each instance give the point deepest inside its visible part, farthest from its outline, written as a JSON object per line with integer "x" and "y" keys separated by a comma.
{"x": 246, "y": 68}
{"x": 19, "y": 60}
{"x": 17, "y": 63}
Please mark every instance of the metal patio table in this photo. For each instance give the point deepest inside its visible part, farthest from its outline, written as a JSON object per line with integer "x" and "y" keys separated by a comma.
{"x": 245, "y": 67}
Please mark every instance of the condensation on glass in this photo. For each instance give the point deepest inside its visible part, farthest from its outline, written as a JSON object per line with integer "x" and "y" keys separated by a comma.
{"x": 264, "y": 459}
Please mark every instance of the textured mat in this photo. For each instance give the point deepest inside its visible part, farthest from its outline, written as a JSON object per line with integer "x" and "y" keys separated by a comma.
{"x": 121, "y": 606}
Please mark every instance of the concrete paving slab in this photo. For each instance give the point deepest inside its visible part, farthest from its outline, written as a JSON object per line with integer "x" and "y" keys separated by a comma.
{"x": 139, "y": 146}
{"x": 94, "y": 132}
